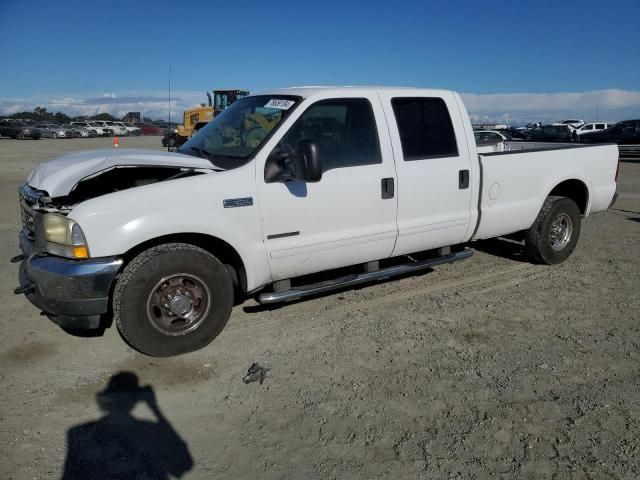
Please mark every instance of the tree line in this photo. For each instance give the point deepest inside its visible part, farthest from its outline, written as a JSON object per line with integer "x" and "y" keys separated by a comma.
{"x": 40, "y": 114}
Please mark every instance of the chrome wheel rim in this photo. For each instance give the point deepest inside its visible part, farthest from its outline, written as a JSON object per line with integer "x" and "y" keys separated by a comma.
{"x": 560, "y": 232}
{"x": 178, "y": 304}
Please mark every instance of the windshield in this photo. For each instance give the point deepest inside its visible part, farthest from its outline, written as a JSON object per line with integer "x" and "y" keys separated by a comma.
{"x": 234, "y": 136}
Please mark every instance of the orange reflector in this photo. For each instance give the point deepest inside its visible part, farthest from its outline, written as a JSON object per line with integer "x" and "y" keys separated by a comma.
{"x": 80, "y": 252}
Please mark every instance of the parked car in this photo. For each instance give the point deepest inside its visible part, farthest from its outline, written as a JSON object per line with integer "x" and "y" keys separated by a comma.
{"x": 572, "y": 123}
{"x": 118, "y": 128}
{"x": 19, "y": 130}
{"x": 551, "y": 133}
{"x": 622, "y": 133}
{"x": 588, "y": 128}
{"x": 90, "y": 127}
{"x": 50, "y": 130}
{"x": 514, "y": 134}
{"x": 489, "y": 141}
{"x": 131, "y": 129}
{"x": 79, "y": 131}
{"x": 281, "y": 187}
{"x": 150, "y": 129}
{"x": 106, "y": 128}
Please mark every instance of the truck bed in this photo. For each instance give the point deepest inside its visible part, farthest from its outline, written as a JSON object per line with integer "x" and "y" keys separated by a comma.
{"x": 515, "y": 183}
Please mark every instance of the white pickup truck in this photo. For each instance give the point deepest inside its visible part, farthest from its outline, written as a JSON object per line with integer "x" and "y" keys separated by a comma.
{"x": 284, "y": 195}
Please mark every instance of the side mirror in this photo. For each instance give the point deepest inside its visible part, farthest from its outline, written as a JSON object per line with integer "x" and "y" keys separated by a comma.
{"x": 308, "y": 164}
{"x": 304, "y": 164}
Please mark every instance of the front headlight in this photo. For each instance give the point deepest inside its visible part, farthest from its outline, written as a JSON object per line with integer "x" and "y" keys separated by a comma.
{"x": 64, "y": 237}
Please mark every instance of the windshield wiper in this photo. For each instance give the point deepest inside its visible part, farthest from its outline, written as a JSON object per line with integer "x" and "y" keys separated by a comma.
{"x": 202, "y": 153}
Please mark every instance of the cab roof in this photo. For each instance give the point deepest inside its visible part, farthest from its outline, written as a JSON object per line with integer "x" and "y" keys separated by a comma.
{"x": 313, "y": 90}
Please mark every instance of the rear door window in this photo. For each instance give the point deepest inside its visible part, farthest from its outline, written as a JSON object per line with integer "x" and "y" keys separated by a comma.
{"x": 425, "y": 128}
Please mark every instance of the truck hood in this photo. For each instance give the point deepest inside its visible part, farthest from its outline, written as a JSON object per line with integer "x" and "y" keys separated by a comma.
{"x": 59, "y": 176}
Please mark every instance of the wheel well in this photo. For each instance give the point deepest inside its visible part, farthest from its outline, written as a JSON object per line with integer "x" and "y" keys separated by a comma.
{"x": 576, "y": 190}
{"x": 221, "y": 249}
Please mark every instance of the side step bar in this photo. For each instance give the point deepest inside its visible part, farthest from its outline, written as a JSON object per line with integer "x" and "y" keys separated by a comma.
{"x": 351, "y": 280}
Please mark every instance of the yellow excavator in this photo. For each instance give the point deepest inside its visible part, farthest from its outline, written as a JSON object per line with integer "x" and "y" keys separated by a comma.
{"x": 197, "y": 117}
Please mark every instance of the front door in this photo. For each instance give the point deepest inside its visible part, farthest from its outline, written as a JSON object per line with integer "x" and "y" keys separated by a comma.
{"x": 349, "y": 216}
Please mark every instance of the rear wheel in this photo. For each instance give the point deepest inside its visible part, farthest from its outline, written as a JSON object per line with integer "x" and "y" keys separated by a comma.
{"x": 172, "y": 299}
{"x": 554, "y": 235}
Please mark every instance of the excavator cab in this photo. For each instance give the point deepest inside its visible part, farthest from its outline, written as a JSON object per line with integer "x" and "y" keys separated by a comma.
{"x": 224, "y": 98}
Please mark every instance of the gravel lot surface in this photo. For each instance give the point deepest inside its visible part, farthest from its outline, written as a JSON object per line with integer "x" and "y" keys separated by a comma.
{"x": 492, "y": 367}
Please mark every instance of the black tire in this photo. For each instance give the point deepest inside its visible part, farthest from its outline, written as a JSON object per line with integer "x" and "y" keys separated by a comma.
{"x": 20, "y": 136}
{"x": 539, "y": 239}
{"x": 54, "y": 135}
{"x": 137, "y": 283}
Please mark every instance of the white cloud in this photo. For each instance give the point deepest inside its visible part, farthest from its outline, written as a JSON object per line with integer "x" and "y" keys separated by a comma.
{"x": 610, "y": 104}
{"x": 515, "y": 108}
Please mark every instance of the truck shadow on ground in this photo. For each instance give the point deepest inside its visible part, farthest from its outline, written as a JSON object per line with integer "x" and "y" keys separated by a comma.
{"x": 337, "y": 292}
{"x": 625, "y": 211}
{"x": 504, "y": 248}
{"x": 508, "y": 248}
{"x": 119, "y": 445}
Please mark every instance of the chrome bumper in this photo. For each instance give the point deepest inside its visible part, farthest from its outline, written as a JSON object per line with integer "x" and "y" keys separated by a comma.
{"x": 73, "y": 293}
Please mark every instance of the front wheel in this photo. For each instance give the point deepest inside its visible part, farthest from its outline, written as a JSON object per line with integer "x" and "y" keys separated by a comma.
{"x": 554, "y": 235}
{"x": 54, "y": 135}
{"x": 20, "y": 136}
{"x": 172, "y": 299}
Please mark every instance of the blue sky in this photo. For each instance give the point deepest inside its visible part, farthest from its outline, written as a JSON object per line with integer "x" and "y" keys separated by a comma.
{"x": 71, "y": 56}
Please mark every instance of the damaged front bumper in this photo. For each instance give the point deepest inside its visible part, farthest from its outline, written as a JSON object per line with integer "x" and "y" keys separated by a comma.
{"x": 72, "y": 293}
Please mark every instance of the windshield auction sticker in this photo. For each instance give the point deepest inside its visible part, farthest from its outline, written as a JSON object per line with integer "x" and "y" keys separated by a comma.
{"x": 279, "y": 103}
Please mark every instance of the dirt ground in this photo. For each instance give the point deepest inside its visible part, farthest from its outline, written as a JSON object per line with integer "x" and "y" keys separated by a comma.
{"x": 492, "y": 367}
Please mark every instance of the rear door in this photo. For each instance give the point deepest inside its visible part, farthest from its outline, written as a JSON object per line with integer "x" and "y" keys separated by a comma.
{"x": 433, "y": 167}
{"x": 349, "y": 216}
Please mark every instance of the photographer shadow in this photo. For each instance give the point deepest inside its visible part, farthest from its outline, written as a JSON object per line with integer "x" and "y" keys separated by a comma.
{"x": 119, "y": 445}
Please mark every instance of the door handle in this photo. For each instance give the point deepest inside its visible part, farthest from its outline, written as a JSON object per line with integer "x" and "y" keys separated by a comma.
{"x": 387, "y": 188}
{"x": 463, "y": 179}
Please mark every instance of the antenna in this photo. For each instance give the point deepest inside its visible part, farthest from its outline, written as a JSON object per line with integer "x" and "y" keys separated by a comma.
{"x": 169, "y": 130}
